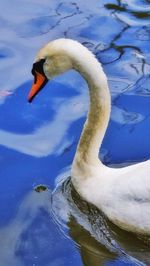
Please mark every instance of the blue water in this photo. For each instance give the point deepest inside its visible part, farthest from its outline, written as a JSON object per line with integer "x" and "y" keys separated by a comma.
{"x": 38, "y": 140}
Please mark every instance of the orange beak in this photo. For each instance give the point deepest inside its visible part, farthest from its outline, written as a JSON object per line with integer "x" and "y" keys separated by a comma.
{"x": 39, "y": 83}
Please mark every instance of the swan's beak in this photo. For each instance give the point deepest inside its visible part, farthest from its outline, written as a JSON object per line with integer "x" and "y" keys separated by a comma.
{"x": 39, "y": 83}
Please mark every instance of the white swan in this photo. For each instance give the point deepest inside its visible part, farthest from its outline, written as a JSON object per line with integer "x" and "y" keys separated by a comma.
{"x": 122, "y": 194}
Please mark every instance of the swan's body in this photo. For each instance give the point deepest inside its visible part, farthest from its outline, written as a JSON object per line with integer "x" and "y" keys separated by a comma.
{"x": 122, "y": 194}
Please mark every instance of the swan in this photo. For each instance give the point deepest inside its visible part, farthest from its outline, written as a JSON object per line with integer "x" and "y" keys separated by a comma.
{"x": 122, "y": 194}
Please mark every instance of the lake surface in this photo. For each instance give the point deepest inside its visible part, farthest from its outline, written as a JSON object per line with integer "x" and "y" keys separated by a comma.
{"x": 56, "y": 227}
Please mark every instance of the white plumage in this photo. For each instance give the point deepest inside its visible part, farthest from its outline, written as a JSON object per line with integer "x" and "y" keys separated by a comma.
{"x": 122, "y": 194}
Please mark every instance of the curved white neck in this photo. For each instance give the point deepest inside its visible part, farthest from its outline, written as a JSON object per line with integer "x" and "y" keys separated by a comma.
{"x": 68, "y": 54}
{"x": 99, "y": 110}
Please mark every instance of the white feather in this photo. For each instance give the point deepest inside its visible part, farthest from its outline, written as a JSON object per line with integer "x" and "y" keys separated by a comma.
{"x": 122, "y": 194}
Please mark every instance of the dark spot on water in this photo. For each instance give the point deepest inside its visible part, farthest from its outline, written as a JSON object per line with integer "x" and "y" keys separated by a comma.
{"x": 40, "y": 188}
{"x": 115, "y": 7}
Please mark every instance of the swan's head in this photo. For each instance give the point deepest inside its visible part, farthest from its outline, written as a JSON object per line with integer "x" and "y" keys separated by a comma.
{"x": 51, "y": 61}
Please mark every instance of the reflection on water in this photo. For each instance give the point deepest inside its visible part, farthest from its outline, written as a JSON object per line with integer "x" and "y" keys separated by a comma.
{"x": 38, "y": 141}
{"x": 98, "y": 240}
{"x": 32, "y": 238}
{"x": 19, "y": 228}
{"x": 54, "y": 219}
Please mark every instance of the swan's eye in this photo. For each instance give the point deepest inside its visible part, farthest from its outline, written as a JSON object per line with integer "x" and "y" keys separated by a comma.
{"x": 38, "y": 67}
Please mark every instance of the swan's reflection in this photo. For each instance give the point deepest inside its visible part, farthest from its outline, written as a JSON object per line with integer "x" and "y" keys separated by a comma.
{"x": 92, "y": 252}
{"x": 99, "y": 240}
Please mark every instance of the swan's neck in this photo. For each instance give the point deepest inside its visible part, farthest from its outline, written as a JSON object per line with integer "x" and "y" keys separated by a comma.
{"x": 98, "y": 115}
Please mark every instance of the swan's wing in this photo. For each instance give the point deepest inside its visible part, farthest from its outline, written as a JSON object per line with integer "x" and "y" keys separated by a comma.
{"x": 134, "y": 183}
{"x": 127, "y": 202}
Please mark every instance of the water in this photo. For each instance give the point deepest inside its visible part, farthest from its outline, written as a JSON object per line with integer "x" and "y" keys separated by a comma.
{"x": 38, "y": 141}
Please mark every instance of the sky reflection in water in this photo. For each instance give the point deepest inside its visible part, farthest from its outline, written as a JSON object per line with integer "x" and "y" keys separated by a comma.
{"x": 38, "y": 140}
